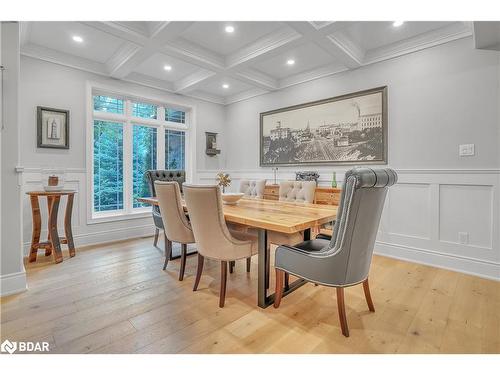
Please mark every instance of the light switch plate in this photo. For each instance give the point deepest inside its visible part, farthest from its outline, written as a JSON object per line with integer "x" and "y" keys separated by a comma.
{"x": 466, "y": 149}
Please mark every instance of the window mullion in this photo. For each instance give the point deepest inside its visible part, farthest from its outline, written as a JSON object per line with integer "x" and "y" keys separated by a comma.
{"x": 160, "y": 147}
{"x": 127, "y": 160}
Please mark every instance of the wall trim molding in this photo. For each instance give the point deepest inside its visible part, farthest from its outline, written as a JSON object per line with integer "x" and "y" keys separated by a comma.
{"x": 470, "y": 266}
{"x": 13, "y": 283}
{"x": 399, "y": 171}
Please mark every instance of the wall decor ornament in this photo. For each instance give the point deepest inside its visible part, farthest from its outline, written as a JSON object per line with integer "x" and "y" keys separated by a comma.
{"x": 346, "y": 129}
{"x": 52, "y": 128}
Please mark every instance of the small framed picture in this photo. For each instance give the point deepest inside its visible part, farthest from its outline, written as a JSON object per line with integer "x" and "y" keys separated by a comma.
{"x": 52, "y": 128}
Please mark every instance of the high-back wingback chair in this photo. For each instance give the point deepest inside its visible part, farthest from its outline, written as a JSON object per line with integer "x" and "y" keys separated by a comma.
{"x": 176, "y": 225}
{"x": 253, "y": 188}
{"x": 213, "y": 238}
{"x": 162, "y": 175}
{"x": 345, "y": 259}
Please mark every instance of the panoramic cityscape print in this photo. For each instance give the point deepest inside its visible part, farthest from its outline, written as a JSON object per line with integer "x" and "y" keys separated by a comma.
{"x": 349, "y": 130}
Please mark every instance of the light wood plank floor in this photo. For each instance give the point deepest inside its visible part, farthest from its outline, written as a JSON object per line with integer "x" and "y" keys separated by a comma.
{"x": 115, "y": 298}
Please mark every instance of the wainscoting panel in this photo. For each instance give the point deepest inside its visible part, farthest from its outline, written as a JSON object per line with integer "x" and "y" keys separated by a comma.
{"x": 424, "y": 214}
{"x": 461, "y": 208}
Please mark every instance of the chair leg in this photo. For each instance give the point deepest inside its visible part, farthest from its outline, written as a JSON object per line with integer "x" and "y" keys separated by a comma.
{"x": 183, "y": 261}
{"x": 199, "y": 270}
{"x": 368, "y": 296}
{"x": 342, "y": 315}
{"x": 249, "y": 262}
{"x": 287, "y": 280}
{"x": 168, "y": 252}
{"x": 231, "y": 266}
{"x": 278, "y": 292}
{"x": 157, "y": 233}
{"x": 223, "y": 281}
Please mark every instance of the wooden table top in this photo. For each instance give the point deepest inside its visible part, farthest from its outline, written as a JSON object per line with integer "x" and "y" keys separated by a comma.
{"x": 43, "y": 192}
{"x": 285, "y": 217}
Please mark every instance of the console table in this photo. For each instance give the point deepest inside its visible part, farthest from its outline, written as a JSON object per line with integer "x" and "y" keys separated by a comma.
{"x": 53, "y": 242}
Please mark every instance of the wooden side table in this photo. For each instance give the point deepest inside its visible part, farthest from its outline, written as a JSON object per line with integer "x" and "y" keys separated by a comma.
{"x": 53, "y": 242}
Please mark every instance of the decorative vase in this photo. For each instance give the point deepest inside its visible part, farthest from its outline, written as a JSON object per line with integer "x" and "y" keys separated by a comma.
{"x": 334, "y": 180}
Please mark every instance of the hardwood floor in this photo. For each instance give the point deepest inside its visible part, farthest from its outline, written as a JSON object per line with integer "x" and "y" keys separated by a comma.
{"x": 115, "y": 298}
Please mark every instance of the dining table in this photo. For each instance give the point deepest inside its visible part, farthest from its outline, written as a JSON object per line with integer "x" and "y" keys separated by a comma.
{"x": 266, "y": 215}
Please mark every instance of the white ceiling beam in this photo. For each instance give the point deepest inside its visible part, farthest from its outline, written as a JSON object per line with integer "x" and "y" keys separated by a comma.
{"x": 454, "y": 31}
{"x": 245, "y": 95}
{"x": 119, "y": 31}
{"x": 342, "y": 49}
{"x": 61, "y": 58}
{"x": 264, "y": 48}
{"x": 194, "y": 80}
{"x": 321, "y": 72}
{"x": 194, "y": 54}
{"x": 257, "y": 78}
{"x": 148, "y": 81}
{"x": 207, "y": 97}
{"x": 133, "y": 57}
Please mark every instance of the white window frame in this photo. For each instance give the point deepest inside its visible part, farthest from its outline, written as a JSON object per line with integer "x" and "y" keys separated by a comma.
{"x": 189, "y": 128}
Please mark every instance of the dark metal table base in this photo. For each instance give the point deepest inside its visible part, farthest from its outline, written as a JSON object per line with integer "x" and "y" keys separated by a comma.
{"x": 264, "y": 300}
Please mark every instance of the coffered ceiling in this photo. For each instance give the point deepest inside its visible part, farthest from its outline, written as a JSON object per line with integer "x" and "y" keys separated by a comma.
{"x": 225, "y": 62}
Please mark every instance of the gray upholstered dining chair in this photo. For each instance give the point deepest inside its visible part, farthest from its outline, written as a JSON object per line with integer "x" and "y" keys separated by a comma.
{"x": 252, "y": 188}
{"x": 176, "y": 225}
{"x": 162, "y": 175}
{"x": 213, "y": 238}
{"x": 345, "y": 259}
{"x": 294, "y": 192}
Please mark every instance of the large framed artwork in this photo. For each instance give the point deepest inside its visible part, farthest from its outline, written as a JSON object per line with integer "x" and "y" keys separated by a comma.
{"x": 347, "y": 129}
{"x": 52, "y": 128}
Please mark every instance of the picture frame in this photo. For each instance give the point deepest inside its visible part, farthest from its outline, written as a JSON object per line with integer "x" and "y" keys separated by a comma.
{"x": 342, "y": 130}
{"x": 52, "y": 128}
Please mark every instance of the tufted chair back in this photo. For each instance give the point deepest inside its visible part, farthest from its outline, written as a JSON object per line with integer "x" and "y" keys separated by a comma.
{"x": 253, "y": 188}
{"x": 297, "y": 191}
{"x": 162, "y": 175}
{"x": 178, "y": 176}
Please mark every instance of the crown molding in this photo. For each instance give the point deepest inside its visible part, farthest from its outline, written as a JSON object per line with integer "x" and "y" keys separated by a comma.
{"x": 259, "y": 79}
{"x": 311, "y": 75}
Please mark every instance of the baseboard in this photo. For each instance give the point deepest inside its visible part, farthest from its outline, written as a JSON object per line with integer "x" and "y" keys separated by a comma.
{"x": 13, "y": 283}
{"x": 112, "y": 235}
{"x": 475, "y": 267}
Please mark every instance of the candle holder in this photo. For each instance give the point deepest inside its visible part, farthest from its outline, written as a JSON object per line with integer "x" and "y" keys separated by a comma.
{"x": 53, "y": 179}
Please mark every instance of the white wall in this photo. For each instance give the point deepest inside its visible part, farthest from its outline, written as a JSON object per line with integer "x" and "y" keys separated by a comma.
{"x": 12, "y": 273}
{"x": 437, "y": 98}
{"x": 47, "y": 84}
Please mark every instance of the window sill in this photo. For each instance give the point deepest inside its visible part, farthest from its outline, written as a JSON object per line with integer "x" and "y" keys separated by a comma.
{"x": 110, "y": 217}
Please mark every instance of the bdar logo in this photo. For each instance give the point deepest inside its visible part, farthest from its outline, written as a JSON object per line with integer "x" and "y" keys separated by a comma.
{"x": 8, "y": 346}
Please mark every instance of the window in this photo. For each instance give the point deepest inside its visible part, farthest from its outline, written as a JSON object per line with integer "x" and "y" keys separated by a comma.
{"x": 108, "y": 166}
{"x": 143, "y": 159}
{"x": 108, "y": 104}
{"x": 174, "y": 149}
{"x": 129, "y": 137}
{"x": 175, "y": 116}
{"x": 144, "y": 110}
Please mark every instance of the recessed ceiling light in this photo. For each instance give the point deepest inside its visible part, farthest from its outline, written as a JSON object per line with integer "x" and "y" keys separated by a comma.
{"x": 229, "y": 29}
{"x": 77, "y": 38}
{"x": 168, "y": 68}
{"x": 225, "y": 86}
{"x": 290, "y": 62}
{"x": 397, "y": 23}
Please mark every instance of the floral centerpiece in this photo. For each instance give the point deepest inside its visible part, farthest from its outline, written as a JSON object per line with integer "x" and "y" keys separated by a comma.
{"x": 223, "y": 180}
